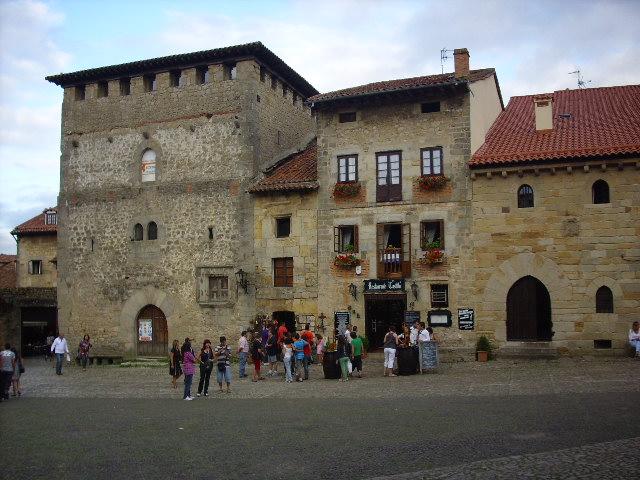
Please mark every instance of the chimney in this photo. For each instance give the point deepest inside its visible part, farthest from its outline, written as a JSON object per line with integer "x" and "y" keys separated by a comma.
{"x": 543, "y": 106}
{"x": 461, "y": 62}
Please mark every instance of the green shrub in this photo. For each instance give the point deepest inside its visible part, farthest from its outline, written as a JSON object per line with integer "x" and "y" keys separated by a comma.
{"x": 483, "y": 344}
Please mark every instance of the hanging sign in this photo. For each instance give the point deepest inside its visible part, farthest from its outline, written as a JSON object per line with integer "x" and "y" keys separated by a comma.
{"x": 145, "y": 330}
{"x": 383, "y": 286}
{"x": 466, "y": 319}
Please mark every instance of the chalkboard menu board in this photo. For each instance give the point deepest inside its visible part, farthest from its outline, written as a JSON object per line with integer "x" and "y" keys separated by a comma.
{"x": 411, "y": 317}
{"x": 428, "y": 355}
{"x": 466, "y": 319}
{"x": 341, "y": 320}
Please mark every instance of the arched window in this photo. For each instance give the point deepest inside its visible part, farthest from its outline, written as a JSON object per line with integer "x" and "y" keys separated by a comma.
{"x": 148, "y": 165}
{"x": 525, "y": 196}
{"x": 152, "y": 231}
{"x": 138, "y": 233}
{"x": 600, "y": 191}
{"x": 604, "y": 300}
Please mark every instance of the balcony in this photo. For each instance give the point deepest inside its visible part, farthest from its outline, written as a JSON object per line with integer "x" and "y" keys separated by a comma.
{"x": 393, "y": 263}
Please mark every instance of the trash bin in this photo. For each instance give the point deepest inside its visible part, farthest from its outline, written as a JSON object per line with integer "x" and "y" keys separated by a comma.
{"x": 330, "y": 366}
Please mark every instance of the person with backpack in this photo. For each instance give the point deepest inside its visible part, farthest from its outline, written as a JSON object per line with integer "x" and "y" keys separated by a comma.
{"x": 256, "y": 356}
{"x": 223, "y": 355}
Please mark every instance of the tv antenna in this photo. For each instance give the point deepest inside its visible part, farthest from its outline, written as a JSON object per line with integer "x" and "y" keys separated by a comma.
{"x": 582, "y": 83}
{"x": 444, "y": 57}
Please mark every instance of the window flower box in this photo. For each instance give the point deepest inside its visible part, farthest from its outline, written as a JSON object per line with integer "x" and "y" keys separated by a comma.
{"x": 432, "y": 182}
{"x": 346, "y": 261}
{"x": 433, "y": 253}
{"x": 346, "y": 189}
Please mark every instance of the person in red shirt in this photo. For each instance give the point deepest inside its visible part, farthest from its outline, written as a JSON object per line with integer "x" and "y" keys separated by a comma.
{"x": 282, "y": 329}
{"x": 308, "y": 337}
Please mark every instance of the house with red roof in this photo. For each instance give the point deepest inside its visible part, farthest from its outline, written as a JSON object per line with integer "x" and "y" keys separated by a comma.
{"x": 556, "y": 222}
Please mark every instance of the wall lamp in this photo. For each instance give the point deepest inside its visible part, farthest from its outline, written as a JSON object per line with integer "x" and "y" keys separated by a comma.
{"x": 353, "y": 291}
{"x": 241, "y": 279}
{"x": 414, "y": 290}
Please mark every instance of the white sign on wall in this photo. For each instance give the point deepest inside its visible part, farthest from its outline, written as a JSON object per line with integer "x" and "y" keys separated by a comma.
{"x": 145, "y": 330}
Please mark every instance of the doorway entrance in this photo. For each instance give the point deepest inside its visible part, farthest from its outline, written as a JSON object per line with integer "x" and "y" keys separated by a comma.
{"x": 529, "y": 311}
{"x": 286, "y": 317}
{"x": 37, "y": 323}
{"x": 382, "y": 311}
{"x": 152, "y": 332}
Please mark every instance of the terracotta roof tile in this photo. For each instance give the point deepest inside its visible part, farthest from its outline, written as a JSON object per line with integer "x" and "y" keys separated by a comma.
{"x": 402, "y": 84}
{"x": 36, "y": 225}
{"x": 296, "y": 172}
{"x": 600, "y": 122}
{"x": 8, "y": 271}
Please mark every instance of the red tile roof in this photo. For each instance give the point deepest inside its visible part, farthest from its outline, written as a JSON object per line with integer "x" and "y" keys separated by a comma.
{"x": 8, "y": 271}
{"x": 601, "y": 122}
{"x": 402, "y": 84}
{"x": 296, "y": 172}
{"x": 36, "y": 225}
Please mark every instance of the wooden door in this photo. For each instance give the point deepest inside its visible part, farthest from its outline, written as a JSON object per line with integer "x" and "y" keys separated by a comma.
{"x": 389, "y": 176}
{"x": 156, "y": 346}
{"x": 529, "y": 311}
{"x": 382, "y": 310}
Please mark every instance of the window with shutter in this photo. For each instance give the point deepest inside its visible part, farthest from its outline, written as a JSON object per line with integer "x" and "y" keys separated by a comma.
{"x": 432, "y": 233}
{"x": 389, "y": 176}
{"x": 432, "y": 161}
{"x": 345, "y": 239}
{"x": 406, "y": 250}
{"x": 283, "y": 272}
{"x": 347, "y": 168}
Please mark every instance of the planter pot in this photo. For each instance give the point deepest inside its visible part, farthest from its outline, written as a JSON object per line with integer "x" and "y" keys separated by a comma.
{"x": 330, "y": 366}
{"x": 407, "y": 361}
{"x": 482, "y": 356}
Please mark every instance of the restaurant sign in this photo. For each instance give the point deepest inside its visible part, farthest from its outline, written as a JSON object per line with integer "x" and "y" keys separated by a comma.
{"x": 383, "y": 286}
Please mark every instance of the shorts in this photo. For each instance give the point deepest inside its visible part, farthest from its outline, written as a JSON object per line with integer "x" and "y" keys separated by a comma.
{"x": 357, "y": 363}
{"x": 273, "y": 358}
{"x": 226, "y": 375}
{"x": 256, "y": 363}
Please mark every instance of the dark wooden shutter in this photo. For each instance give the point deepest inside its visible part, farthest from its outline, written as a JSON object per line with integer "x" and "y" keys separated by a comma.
{"x": 379, "y": 247}
{"x": 406, "y": 250}
{"x": 382, "y": 182}
{"x": 356, "y": 239}
{"x": 336, "y": 239}
{"x": 395, "y": 174}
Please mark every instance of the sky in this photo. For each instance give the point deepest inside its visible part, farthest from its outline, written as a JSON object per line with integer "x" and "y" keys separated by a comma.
{"x": 332, "y": 43}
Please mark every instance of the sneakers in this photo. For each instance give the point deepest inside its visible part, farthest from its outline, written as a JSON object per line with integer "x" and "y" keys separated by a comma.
{"x": 197, "y": 394}
{"x": 206, "y": 394}
{"x": 188, "y": 398}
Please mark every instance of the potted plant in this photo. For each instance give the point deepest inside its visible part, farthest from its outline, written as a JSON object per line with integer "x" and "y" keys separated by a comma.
{"x": 433, "y": 253}
{"x": 348, "y": 259}
{"x": 432, "y": 182}
{"x": 483, "y": 349}
{"x": 346, "y": 189}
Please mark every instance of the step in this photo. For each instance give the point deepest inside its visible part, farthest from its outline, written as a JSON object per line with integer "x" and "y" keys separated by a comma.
{"x": 527, "y": 350}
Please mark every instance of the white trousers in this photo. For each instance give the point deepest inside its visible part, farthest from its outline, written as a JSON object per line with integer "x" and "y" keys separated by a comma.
{"x": 389, "y": 357}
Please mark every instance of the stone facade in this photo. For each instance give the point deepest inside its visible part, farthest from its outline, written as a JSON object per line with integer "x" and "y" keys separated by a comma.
{"x": 210, "y": 142}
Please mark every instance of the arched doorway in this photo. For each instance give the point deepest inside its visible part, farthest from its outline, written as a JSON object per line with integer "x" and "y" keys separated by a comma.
{"x": 151, "y": 327}
{"x": 529, "y": 311}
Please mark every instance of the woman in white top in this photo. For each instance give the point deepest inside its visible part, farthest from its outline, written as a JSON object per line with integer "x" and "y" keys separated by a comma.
{"x": 390, "y": 344}
{"x": 634, "y": 337}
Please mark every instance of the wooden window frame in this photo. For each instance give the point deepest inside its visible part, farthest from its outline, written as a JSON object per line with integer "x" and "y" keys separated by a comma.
{"x": 51, "y": 218}
{"x": 423, "y": 231}
{"x": 430, "y": 161}
{"x": 604, "y": 305}
{"x": 396, "y": 195}
{"x": 439, "y": 303}
{"x": 346, "y": 159}
{"x": 277, "y": 220}
{"x": 281, "y": 276}
{"x": 526, "y": 199}
{"x": 224, "y": 292}
{"x": 30, "y": 267}
{"x": 401, "y": 268}
{"x": 338, "y": 243}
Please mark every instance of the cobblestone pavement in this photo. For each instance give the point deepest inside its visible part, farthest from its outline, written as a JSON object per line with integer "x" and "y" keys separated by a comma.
{"x": 565, "y": 375}
{"x": 600, "y": 461}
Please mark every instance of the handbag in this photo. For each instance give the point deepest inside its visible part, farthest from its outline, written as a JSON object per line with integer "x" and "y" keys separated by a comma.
{"x": 350, "y": 366}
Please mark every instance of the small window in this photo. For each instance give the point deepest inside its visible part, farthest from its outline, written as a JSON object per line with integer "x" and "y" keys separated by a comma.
{"x": 210, "y": 233}
{"x": 150, "y": 83}
{"x": 80, "y": 92}
{"x": 525, "y": 197}
{"x": 218, "y": 288}
{"x": 604, "y": 300}
{"x": 347, "y": 117}
{"x": 148, "y": 165}
{"x": 230, "y": 71}
{"x": 35, "y": 267}
{"x": 600, "y": 191}
{"x": 174, "y": 78}
{"x": 263, "y": 74}
{"x": 348, "y": 168}
{"x": 283, "y": 272}
{"x": 138, "y": 232}
{"x": 283, "y": 227}
{"x": 432, "y": 234}
{"x": 431, "y": 161}
{"x": 125, "y": 86}
{"x": 152, "y": 231}
{"x": 202, "y": 75}
{"x": 439, "y": 296}
{"x": 50, "y": 217}
{"x": 345, "y": 239}
{"x": 430, "y": 107}
{"x": 103, "y": 89}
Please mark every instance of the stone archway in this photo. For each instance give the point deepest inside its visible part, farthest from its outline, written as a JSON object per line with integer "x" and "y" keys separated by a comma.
{"x": 509, "y": 272}
{"x": 132, "y": 307}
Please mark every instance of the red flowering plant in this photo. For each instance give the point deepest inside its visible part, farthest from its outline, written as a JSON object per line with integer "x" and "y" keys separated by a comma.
{"x": 433, "y": 253}
{"x": 432, "y": 182}
{"x": 346, "y": 189}
{"x": 348, "y": 259}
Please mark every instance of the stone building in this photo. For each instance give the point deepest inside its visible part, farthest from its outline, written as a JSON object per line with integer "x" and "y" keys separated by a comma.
{"x": 156, "y": 224}
{"x": 556, "y": 222}
{"x": 395, "y": 188}
{"x": 28, "y": 304}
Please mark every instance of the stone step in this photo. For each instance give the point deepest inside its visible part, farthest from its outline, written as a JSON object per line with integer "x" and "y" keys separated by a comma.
{"x": 151, "y": 359}
{"x": 527, "y": 350}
